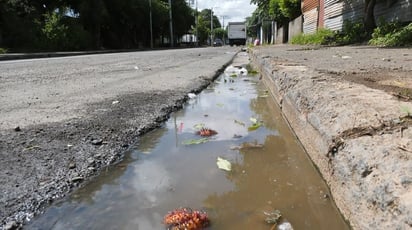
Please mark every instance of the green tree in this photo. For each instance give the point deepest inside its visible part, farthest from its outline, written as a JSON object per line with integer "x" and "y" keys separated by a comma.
{"x": 219, "y": 33}
{"x": 88, "y": 24}
{"x": 204, "y": 25}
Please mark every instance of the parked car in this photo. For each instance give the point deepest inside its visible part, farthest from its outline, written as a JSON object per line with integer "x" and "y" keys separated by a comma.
{"x": 218, "y": 42}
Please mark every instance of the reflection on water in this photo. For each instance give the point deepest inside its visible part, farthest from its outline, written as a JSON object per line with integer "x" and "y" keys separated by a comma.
{"x": 269, "y": 171}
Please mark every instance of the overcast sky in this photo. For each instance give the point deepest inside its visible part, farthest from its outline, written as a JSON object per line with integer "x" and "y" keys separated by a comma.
{"x": 233, "y": 10}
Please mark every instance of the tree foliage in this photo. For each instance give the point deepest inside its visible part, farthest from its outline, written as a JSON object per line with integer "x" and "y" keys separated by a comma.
{"x": 89, "y": 24}
{"x": 281, "y": 11}
{"x": 204, "y": 25}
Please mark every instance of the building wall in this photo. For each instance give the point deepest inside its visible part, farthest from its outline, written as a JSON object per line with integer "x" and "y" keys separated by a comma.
{"x": 336, "y": 12}
{"x": 295, "y": 27}
{"x": 310, "y": 21}
{"x": 279, "y": 36}
{"x": 399, "y": 11}
{"x": 308, "y": 5}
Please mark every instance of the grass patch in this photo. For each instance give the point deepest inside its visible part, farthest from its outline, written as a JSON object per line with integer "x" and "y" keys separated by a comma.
{"x": 321, "y": 37}
{"x": 3, "y": 51}
{"x": 391, "y": 35}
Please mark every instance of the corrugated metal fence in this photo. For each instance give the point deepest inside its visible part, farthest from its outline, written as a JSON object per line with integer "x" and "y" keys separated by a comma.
{"x": 338, "y": 11}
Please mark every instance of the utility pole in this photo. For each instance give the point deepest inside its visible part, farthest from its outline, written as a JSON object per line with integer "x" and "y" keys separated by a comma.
{"x": 224, "y": 29}
{"x": 171, "y": 24}
{"x": 197, "y": 26}
{"x": 151, "y": 24}
{"x": 211, "y": 26}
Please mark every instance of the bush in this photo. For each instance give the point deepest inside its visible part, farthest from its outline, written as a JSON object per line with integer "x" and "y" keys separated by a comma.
{"x": 3, "y": 51}
{"x": 321, "y": 37}
{"x": 352, "y": 32}
{"x": 54, "y": 32}
{"x": 392, "y": 34}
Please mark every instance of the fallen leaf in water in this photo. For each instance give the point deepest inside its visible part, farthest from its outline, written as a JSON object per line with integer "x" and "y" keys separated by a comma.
{"x": 223, "y": 164}
{"x": 195, "y": 141}
{"x": 239, "y": 123}
{"x": 256, "y": 124}
{"x": 254, "y": 127}
{"x": 199, "y": 126}
{"x": 220, "y": 104}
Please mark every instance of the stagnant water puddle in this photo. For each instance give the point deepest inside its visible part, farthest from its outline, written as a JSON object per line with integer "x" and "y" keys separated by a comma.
{"x": 166, "y": 170}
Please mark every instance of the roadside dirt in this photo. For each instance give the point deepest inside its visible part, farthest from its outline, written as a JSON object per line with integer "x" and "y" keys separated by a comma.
{"x": 395, "y": 82}
{"x": 351, "y": 109}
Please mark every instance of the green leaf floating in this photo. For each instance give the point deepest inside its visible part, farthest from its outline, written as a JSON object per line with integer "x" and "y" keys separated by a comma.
{"x": 253, "y": 127}
{"x": 223, "y": 164}
{"x": 256, "y": 124}
{"x": 199, "y": 126}
{"x": 195, "y": 141}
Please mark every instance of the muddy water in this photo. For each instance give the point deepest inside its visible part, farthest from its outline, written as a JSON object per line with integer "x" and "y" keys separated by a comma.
{"x": 270, "y": 171}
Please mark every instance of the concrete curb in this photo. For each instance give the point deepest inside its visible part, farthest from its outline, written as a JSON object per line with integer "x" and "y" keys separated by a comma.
{"x": 353, "y": 135}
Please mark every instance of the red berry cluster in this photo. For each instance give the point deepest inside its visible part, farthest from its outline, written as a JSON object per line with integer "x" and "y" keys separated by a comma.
{"x": 206, "y": 132}
{"x": 186, "y": 219}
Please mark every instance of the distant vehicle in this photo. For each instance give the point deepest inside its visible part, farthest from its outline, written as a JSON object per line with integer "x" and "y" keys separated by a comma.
{"x": 218, "y": 42}
{"x": 237, "y": 33}
{"x": 188, "y": 39}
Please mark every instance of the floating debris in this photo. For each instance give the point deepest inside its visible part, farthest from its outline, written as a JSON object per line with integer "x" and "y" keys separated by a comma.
{"x": 255, "y": 124}
{"x": 224, "y": 164}
{"x": 195, "y": 141}
{"x": 247, "y": 145}
{"x": 285, "y": 226}
{"x": 199, "y": 126}
{"x": 235, "y": 71}
{"x": 272, "y": 217}
{"x": 240, "y": 123}
{"x": 191, "y": 95}
{"x": 186, "y": 219}
{"x": 206, "y": 132}
{"x": 253, "y": 127}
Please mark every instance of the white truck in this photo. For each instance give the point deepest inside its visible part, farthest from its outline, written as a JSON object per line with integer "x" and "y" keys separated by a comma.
{"x": 236, "y": 33}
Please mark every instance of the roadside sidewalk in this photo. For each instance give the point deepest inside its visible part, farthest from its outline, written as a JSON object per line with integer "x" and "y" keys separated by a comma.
{"x": 351, "y": 109}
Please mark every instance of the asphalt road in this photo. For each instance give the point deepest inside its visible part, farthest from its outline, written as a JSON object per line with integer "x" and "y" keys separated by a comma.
{"x": 37, "y": 91}
{"x": 63, "y": 119}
